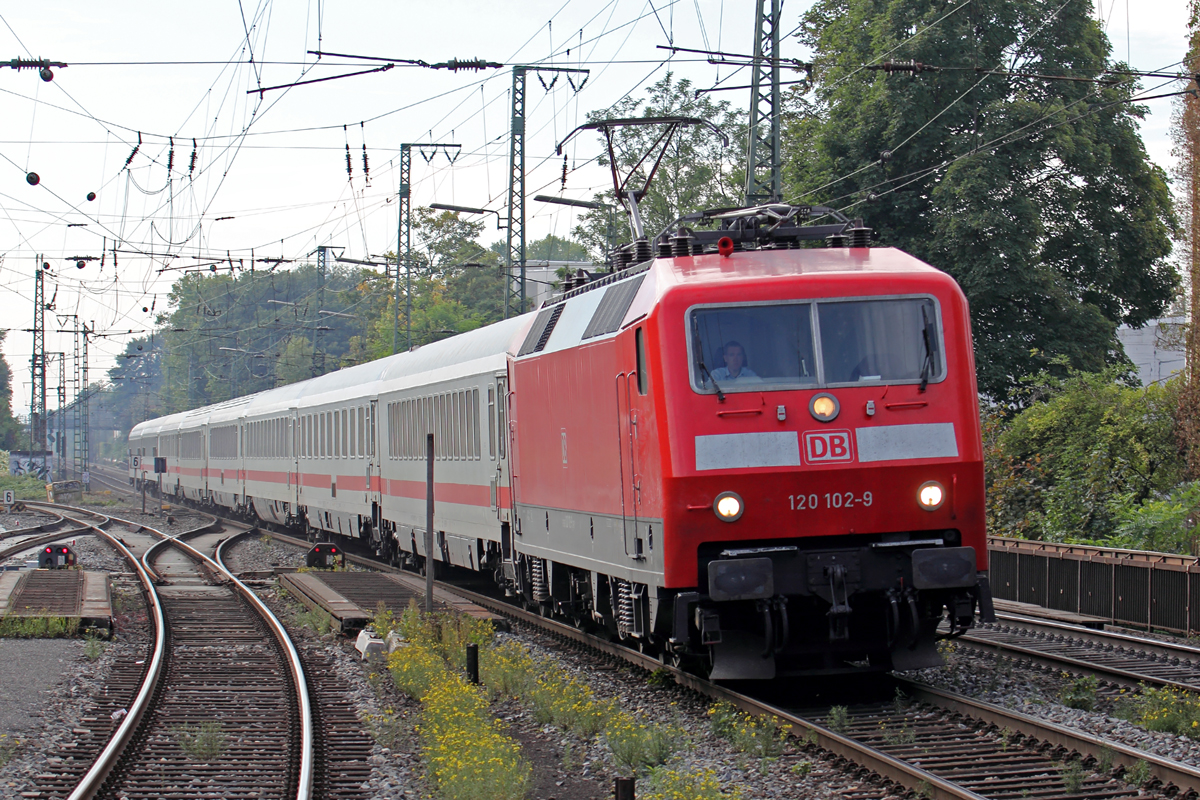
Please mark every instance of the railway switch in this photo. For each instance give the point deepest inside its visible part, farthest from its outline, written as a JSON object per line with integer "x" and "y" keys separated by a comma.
{"x": 56, "y": 556}
{"x": 324, "y": 555}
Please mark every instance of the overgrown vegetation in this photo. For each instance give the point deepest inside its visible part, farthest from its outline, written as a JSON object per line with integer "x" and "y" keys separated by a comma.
{"x": 26, "y": 487}
{"x": 1163, "y": 709}
{"x": 9, "y": 747}
{"x": 1091, "y": 459}
{"x": 467, "y": 751}
{"x": 43, "y": 627}
{"x": 203, "y": 742}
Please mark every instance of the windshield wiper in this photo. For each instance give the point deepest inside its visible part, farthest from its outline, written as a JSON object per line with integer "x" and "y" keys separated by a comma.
{"x": 700, "y": 360}
{"x": 927, "y": 366}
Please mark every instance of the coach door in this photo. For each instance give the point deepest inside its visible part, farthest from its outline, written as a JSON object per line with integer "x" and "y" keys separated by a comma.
{"x": 374, "y": 479}
{"x": 627, "y": 450}
{"x": 293, "y": 479}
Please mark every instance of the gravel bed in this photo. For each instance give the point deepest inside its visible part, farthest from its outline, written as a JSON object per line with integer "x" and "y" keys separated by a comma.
{"x": 1036, "y": 691}
{"x": 66, "y": 673}
{"x": 25, "y": 519}
{"x": 264, "y": 553}
{"x": 565, "y": 766}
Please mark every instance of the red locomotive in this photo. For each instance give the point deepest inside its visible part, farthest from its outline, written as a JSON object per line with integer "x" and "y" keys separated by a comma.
{"x": 769, "y": 459}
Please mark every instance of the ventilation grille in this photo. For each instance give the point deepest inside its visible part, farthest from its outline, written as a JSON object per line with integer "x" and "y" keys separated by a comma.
{"x": 612, "y": 308}
{"x": 539, "y": 334}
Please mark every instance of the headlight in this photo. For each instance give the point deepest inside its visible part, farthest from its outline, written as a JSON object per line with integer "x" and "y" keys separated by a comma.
{"x": 728, "y": 506}
{"x": 930, "y": 495}
{"x": 824, "y": 407}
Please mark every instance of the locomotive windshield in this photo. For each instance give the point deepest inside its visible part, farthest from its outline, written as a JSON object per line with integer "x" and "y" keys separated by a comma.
{"x": 771, "y": 346}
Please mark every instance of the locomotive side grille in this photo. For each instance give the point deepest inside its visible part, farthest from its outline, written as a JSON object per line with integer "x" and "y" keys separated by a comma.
{"x": 612, "y": 308}
{"x": 539, "y": 334}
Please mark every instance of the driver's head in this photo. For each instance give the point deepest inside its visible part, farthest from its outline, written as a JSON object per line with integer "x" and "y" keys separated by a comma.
{"x": 735, "y": 357}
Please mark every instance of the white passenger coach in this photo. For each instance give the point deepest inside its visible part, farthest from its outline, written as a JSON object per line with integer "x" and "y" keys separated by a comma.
{"x": 344, "y": 453}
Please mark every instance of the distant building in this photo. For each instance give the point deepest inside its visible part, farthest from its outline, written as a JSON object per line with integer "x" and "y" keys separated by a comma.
{"x": 1157, "y": 349}
{"x": 541, "y": 275}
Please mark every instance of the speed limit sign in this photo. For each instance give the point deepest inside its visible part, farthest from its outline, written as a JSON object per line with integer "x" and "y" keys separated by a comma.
{"x": 10, "y": 497}
{"x": 137, "y": 461}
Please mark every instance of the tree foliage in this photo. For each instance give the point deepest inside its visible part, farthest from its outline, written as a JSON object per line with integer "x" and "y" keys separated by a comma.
{"x": 1082, "y": 459}
{"x": 1036, "y": 195}
{"x": 10, "y": 429}
{"x": 697, "y": 172}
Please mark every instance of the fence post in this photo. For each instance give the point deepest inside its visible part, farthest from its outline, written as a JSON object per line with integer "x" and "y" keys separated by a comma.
{"x": 623, "y": 789}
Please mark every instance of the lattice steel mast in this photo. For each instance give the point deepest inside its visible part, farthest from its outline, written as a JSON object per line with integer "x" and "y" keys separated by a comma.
{"x": 37, "y": 363}
{"x": 764, "y": 183}
{"x": 514, "y": 253}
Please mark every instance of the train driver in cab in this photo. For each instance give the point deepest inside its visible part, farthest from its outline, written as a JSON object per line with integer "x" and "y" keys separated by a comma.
{"x": 735, "y": 368}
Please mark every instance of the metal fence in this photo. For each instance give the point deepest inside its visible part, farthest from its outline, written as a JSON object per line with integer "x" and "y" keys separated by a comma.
{"x": 1127, "y": 587}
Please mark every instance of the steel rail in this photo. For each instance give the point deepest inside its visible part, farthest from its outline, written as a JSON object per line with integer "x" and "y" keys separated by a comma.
{"x": 305, "y": 775}
{"x": 43, "y": 527}
{"x": 1168, "y": 772}
{"x": 1171, "y": 649}
{"x": 92, "y": 781}
{"x": 1121, "y": 677}
{"x": 38, "y": 541}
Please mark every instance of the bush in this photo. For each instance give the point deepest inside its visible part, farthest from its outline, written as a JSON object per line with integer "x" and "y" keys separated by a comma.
{"x": 636, "y": 745}
{"x": 1086, "y": 449}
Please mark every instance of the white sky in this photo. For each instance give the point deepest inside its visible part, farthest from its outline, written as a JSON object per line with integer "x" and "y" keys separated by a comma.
{"x": 285, "y": 183}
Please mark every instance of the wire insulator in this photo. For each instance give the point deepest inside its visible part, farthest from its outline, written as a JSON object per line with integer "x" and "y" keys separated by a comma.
{"x": 564, "y": 175}
{"x": 366, "y": 166}
{"x": 129, "y": 160}
{"x": 171, "y": 154}
{"x": 192, "y": 165}
{"x": 349, "y": 166}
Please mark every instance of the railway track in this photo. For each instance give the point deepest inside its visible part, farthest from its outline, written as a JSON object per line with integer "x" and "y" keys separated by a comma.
{"x": 934, "y": 744}
{"x": 221, "y": 705}
{"x": 948, "y": 746}
{"x": 1120, "y": 658}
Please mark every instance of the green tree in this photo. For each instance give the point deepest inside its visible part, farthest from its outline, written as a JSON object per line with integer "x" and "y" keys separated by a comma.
{"x": 1036, "y": 195}
{"x": 697, "y": 171}
{"x": 554, "y": 248}
{"x": 1083, "y": 455}
{"x": 295, "y": 362}
{"x": 10, "y": 429}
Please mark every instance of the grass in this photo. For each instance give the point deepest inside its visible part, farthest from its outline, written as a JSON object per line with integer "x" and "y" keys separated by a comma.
{"x": 466, "y": 752}
{"x": 759, "y": 736}
{"x": 839, "y": 719}
{"x": 317, "y": 619}
{"x": 1079, "y": 693}
{"x": 204, "y": 742}
{"x": 1162, "y": 709}
{"x": 44, "y": 627}
{"x": 9, "y": 747}
{"x": 668, "y": 784}
{"x": 93, "y": 647}
{"x": 26, "y": 487}
{"x": 388, "y": 729}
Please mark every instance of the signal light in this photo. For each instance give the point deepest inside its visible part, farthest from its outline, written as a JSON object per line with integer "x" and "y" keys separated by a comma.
{"x": 333, "y": 550}
{"x": 49, "y": 549}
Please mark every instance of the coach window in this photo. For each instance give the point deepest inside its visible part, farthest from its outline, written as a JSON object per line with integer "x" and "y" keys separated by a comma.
{"x": 643, "y": 379}
{"x": 491, "y": 422}
{"x": 501, "y": 416}
{"x": 455, "y": 427}
{"x": 362, "y": 439}
{"x": 329, "y": 449}
{"x": 320, "y": 430}
{"x": 339, "y": 439}
{"x": 345, "y": 450}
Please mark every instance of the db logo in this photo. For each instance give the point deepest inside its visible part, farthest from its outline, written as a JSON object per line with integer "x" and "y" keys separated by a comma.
{"x": 823, "y": 446}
